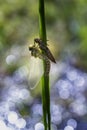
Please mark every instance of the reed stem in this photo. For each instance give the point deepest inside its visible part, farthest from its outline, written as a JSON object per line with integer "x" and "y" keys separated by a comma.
{"x": 45, "y": 78}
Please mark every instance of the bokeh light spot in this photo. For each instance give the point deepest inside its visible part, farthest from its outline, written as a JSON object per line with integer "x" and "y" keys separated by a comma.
{"x": 68, "y": 128}
{"x": 39, "y": 126}
{"x": 12, "y": 117}
{"x": 20, "y": 123}
{"x": 10, "y": 59}
{"x": 72, "y": 122}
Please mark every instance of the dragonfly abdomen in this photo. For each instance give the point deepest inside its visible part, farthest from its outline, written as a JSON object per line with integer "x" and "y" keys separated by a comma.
{"x": 47, "y": 65}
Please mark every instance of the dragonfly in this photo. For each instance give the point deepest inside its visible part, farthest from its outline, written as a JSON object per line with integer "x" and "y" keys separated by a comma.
{"x": 38, "y": 55}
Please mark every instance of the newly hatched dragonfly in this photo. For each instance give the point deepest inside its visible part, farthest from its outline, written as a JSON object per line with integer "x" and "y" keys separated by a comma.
{"x": 41, "y": 52}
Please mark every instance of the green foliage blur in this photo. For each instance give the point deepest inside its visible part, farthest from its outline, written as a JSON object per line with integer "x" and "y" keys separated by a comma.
{"x": 66, "y": 22}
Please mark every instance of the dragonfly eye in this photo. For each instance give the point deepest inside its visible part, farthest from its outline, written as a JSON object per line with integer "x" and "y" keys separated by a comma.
{"x": 36, "y": 40}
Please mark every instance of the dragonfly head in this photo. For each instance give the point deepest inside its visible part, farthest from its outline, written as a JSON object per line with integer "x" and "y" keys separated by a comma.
{"x": 37, "y": 40}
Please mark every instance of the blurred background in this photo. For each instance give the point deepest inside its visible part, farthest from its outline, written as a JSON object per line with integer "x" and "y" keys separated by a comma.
{"x": 66, "y": 24}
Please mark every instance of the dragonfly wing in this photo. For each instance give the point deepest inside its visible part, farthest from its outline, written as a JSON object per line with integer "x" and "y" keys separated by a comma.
{"x": 35, "y": 72}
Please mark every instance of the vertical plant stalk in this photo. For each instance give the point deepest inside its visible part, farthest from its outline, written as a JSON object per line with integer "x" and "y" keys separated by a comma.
{"x": 45, "y": 78}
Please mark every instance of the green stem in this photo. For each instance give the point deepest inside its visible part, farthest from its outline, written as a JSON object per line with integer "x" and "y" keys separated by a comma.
{"x": 45, "y": 79}
{"x": 42, "y": 26}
